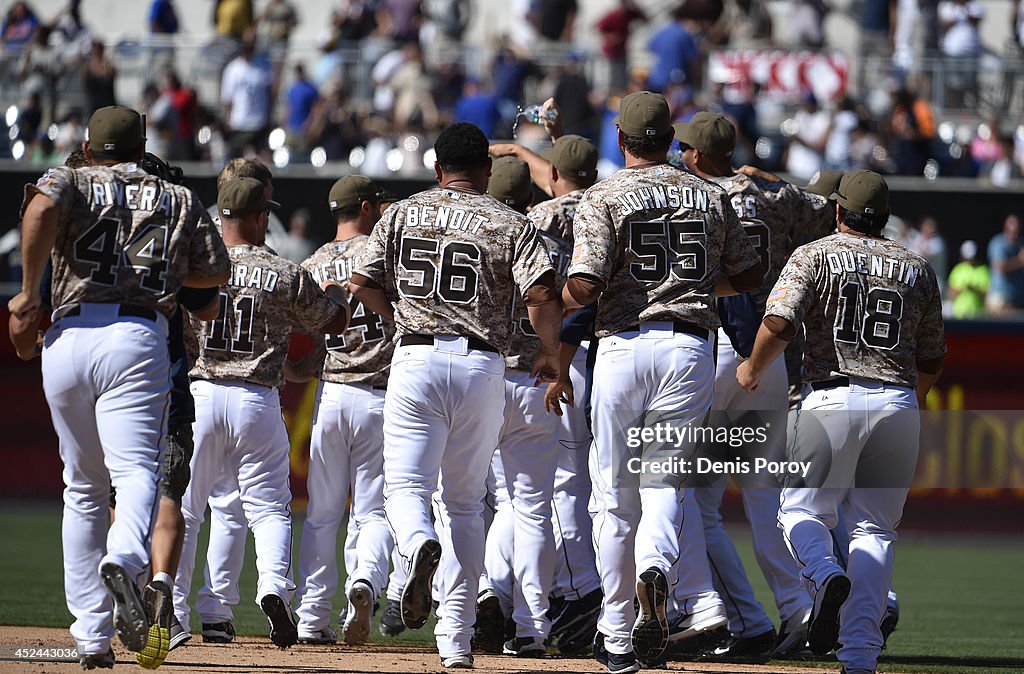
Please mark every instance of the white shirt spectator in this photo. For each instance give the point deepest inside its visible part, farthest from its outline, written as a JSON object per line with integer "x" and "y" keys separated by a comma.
{"x": 803, "y": 159}
{"x": 246, "y": 88}
{"x": 961, "y": 38}
{"x": 837, "y": 149}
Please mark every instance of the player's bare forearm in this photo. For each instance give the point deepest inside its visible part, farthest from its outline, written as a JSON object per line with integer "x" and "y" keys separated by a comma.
{"x": 745, "y": 281}
{"x": 25, "y": 335}
{"x": 540, "y": 168}
{"x": 546, "y": 318}
{"x": 372, "y": 296}
{"x": 926, "y": 378}
{"x": 203, "y": 281}
{"x": 755, "y": 172}
{"x": 38, "y": 234}
{"x": 767, "y": 347}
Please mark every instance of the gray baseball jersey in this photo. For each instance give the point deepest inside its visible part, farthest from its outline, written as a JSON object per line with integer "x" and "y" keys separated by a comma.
{"x": 454, "y": 259}
{"x": 126, "y": 237}
{"x": 772, "y": 215}
{"x": 870, "y": 308}
{"x": 525, "y": 344}
{"x": 264, "y": 301}
{"x": 657, "y": 237}
{"x": 362, "y": 354}
{"x": 555, "y": 216}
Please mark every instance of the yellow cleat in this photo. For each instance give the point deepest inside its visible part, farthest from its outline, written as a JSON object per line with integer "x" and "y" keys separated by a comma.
{"x": 158, "y": 643}
{"x": 157, "y": 600}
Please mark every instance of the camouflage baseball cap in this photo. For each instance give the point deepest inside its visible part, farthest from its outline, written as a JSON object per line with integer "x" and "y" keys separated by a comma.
{"x": 352, "y": 191}
{"x": 644, "y": 114}
{"x": 115, "y": 128}
{"x": 863, "y": 192}
{"x": 824, "y": 182}
{"x": 709, "y": 134}
{"x": 575, "y": 157}
{"x": 243, "y": 196}
{"x": 510, "y": 182}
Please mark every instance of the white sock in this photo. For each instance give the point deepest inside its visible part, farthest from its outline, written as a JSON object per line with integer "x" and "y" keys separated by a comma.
{"x": 165, "y": 577}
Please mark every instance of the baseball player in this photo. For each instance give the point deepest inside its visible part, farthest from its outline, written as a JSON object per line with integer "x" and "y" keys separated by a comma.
{"x": 225, "y": 550}
{"x": 347, "y": 437}
{"x": 238, "y": 420}
{"x": 773, "y": 214}
{"x": 874, "y": 345}
{"x": 453, "y": 256}
{"x": 122, "y": 243}
{"x": 655, "y": 244}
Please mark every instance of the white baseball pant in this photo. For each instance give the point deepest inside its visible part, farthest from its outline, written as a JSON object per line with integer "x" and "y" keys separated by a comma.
{"x": 694, "y": 589}
{"x": 442, "y": 416}
{"x": 239, "y": 427}
{"x": 225, "y": 552}
{"x": 575, "y": 566}
{"x": 867, "y": 425}
{"x": 498, "y": 574}
{"x": 639, "y": 375}
{"x": 106, "y": 380}
{"x": 345, "y": 452}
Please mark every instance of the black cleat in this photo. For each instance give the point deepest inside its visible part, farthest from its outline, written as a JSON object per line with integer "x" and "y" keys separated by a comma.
{"x": 129, "y": 613}
{"x": 416, "y": 595}
{"x": 757, "y": 647}
{"x": 97, "y": 660}
{"x": 391, "y": 624}
{"x": 823, "y": 629}
{"x": 218, "y": 633}
{"x": 283, "y": 631}
{"x": 888, "y": 625}
{"x": 650, "y": 631}
{"x": 489, "y": 631}
{"x": 574, "y": 625}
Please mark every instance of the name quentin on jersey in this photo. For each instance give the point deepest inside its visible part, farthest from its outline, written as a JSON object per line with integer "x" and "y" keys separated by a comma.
{"x": 662, "y": 196}
{"x": 873, "y": 265}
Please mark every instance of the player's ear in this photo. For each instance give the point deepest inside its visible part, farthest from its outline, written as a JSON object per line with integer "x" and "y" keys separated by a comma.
{"x": 490, "y": 163}
{"x": 554, "y": 174}
{"x": 437, "y": 171}
{"x": 87, "y": 151}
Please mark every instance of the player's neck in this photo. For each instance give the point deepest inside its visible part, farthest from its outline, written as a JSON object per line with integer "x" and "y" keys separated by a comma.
{"x": 462, "y": 182}
{"x": 642, "y": 162}
{"x": 350, "y": 230}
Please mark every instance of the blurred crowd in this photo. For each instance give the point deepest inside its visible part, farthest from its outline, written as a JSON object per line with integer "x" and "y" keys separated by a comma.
{"x": 386, "y": 75}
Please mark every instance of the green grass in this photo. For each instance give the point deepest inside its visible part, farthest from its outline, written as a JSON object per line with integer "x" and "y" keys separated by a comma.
{"x": 960, "y": 598}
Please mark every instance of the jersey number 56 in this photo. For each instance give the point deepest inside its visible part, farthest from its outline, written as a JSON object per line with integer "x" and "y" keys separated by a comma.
{"x": 426, "y": 267}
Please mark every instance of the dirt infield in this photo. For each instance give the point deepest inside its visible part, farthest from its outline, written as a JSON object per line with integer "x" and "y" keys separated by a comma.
{"x": 259, "y": 655}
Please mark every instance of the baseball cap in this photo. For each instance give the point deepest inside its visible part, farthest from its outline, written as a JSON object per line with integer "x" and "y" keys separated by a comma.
{"x": 243, "y": 196}
{"x": 115, "y": 128}
{"x": 510, "y": 182}
{"x": 352, "y": 191}
{"x": 863, "y": 192}
{"x": 709, "y": 134}
{"x": 644, "y": 114}
{"x": 575, "y": 157}
{"x": 824, "y": 182}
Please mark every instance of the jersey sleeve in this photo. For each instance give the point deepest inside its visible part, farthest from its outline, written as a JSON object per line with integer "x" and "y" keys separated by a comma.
{"x": 793, "y": 293}
{"x": 931, "y": 336}
{"x": 530, "y": 259}
{"x": 58, "y": 184}
{"x": 310, "y": 307}
{"x": 594, "y": 241}
{"x": 816, "y": 216}
{"x": 373, "y": 263}
{"x": 738, "y": 254}
{"x": 207, "y": 254}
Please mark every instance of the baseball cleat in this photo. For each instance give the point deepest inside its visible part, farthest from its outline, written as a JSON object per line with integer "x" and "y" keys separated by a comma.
{"x": 97, "y": 660}
{"x": 218, "y": 633}
{"x": 574, "y": 625}
{"x": 356, "y": 629}
{"x": 488, "y": 633}
{"x": 129, "y": 613}
{"x": 416, "y": 598}
{"x": 823, "y": 629}
{"x": 650, "y": 631}
{"x": 322, "y": 637}
{"x": 525, "y": 647}
{"x": 179, "y": 635}
{"x": 687, "y": 625}
{"x": 458, "y": 662}
{"x": 282, "y": 625}
{"x": 621, "y": 663}
{"x": 391, "y": 624}
{"x": 156, "y": 597}
{"x": 888, "y": 625}
{"x": 792, "y": 635}
{"x": 758, "y": 646}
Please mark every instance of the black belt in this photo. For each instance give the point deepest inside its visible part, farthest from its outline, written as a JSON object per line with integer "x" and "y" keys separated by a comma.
{"x": 684, "y": 327}
{"x": 379, "y": 388}
{"x": 122, "y": 310}
{"x": 835, "y": 382}
{"x": 428, "y": 340}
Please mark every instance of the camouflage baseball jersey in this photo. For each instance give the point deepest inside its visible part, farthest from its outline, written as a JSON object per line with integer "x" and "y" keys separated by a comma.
{"x": 771, "y": 214}
{"x": 657, "y": 237}
{"x": 555, "y": 216}
{"x": 821, "y": 218}
{"x": 264, "y": 301}
{"x": 870, "y": 308}
{"x": 454, "y": 259}
{"x": 126, "y": 237}
{"x": 525, "y": 344}
{"x": 362, "y": 354}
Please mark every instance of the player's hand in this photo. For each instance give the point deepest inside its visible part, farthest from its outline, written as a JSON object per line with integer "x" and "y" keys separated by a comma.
{"x": 555, "y": 127}
{"x": 545, "y": 368}
{"x": 755, "y": 172}
{"x": 25, "y": 334}
{"x": 25, "y": 304}
{"x": 747, "y": 378}
{"x": 503, "y": 150}
{"x": 559, "y": 393}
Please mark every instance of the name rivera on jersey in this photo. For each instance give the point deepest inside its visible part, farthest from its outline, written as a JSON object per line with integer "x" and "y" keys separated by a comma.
{"x": 885, "y": 267}
{"x": 257, "y": 277}
{"x": 133, "y": 197}
{"x": 659, "y": 196}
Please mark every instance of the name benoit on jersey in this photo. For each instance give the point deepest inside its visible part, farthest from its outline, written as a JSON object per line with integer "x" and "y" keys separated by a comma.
{"x": 443, "y": 217}
{"x": 662, "y": 196}
{"x": 873, "y": 265}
